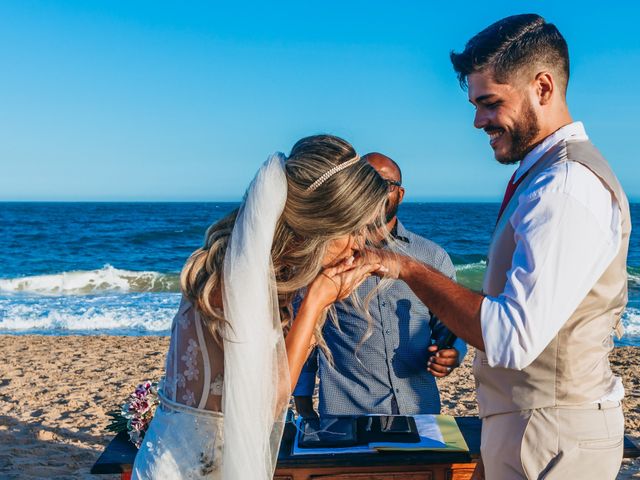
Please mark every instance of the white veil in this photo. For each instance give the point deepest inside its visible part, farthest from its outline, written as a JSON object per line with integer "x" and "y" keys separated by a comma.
{"x": 257, "y": 385}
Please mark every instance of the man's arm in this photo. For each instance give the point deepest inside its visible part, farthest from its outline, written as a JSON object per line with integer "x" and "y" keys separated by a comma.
{"x": 456, "y": 306}
{"x": 445, "y": 354}
{"x": 567, "y": 230}
{"x": 440, "y": 334}
{"x": 303, "y": 393}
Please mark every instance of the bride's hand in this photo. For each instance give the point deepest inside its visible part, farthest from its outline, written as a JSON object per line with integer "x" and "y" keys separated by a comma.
{"x": 337, "y": 282}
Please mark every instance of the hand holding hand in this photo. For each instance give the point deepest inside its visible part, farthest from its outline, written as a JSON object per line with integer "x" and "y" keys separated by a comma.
{"x": 442, "y": 362}
{"x": 338, "y": 282}
{"x": 386, "y": 258}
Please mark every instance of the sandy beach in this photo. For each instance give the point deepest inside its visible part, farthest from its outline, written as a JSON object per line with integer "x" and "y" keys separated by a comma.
{"x": 55, "y": 393}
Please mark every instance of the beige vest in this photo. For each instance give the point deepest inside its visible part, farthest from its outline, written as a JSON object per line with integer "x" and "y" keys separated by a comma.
{"x": 574, "y": 368}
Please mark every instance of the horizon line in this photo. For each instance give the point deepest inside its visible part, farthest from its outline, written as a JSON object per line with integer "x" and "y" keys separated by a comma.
{"x": 632, "y": 200}
{"x": 425, "y": 200}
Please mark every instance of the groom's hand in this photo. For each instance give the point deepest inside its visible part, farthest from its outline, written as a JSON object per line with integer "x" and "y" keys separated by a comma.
{"x": 389, "y": 260}
{"x": 338, "y": 282}
{"x": 442, "y": 362}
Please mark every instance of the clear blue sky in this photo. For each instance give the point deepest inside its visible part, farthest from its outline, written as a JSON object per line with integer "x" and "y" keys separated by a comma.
{"x": 142, "y": 100}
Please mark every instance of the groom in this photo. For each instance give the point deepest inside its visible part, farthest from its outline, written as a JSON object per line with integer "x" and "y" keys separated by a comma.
{"x": 556, "y": 284}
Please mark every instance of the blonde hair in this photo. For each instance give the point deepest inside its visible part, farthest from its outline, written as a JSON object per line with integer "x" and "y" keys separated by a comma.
{"x": 350, "y": 201}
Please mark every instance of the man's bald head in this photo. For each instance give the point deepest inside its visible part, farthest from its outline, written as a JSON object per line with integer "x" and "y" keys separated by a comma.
{"x": 385, "y": 166}
{"x": 390, "y": 171}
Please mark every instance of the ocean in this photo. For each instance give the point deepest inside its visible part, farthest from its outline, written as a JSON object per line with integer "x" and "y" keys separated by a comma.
{"x": 112, "y": 268}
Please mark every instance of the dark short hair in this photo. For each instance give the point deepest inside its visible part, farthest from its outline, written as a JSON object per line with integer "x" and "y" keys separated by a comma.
{"x": 508, "y": 45}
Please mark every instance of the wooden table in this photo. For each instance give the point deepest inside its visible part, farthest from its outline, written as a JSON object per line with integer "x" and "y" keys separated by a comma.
{"x": 119, "y": 454}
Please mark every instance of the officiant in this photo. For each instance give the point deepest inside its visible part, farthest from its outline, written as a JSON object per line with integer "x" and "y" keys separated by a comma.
{"x": 394, "y": 370}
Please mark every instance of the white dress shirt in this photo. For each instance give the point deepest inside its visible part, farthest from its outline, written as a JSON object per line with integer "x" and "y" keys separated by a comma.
{"x": 567, "y": 228}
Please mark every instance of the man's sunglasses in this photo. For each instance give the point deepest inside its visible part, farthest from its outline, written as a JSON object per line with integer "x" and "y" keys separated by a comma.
{"x": 391, "y": 184}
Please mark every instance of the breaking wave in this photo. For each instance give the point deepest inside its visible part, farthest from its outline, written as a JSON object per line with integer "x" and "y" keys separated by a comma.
{"x": 106, "y": 279}
{"x": 470, "y": 274}
{"x": 123, "y": 302}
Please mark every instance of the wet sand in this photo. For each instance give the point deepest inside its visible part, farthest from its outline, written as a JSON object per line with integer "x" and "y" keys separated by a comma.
{"x": 55, "y": 393}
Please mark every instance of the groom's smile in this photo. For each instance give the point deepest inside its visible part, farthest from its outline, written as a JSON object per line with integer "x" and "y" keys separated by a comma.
{"x": 505, "y": 113}
{"x": 494, "y": 135}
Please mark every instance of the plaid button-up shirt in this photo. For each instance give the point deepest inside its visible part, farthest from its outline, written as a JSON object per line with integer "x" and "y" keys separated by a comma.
{"x": 387, "y": 373}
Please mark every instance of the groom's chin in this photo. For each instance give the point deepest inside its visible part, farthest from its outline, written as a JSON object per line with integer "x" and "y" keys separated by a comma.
{"x": 506, "y": 158}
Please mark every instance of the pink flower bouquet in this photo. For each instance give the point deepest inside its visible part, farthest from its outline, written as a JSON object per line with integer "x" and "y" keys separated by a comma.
{"x": 136, "y": 413}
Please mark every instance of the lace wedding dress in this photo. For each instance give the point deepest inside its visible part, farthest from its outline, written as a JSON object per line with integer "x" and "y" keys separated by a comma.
{"x": 222, "y": 408}
{"x": 185, "y": 437}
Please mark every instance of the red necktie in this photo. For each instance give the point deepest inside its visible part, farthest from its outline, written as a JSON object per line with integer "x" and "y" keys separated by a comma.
{"x": 508, "y": 194}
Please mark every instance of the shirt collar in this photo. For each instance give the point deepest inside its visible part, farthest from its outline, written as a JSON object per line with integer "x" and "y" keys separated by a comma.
{"x": 573, "y": 131}
{"x": 400, "y": 233}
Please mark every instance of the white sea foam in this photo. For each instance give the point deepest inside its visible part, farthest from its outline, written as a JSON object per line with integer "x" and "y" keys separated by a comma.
{"x": 470, "y": 274}
{"x": 123, "y": 302}
{"x": 133, "y": 314}
{"x": 481, "y": 265}
{"x": 631, "y": 322}
{"x": 106, "y": 279}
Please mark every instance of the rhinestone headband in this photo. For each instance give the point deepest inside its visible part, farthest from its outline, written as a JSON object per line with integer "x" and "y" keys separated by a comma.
{"x": 332, "y": 172}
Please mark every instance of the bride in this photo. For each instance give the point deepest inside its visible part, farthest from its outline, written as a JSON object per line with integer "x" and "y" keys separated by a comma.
{"x": 235, "y": 350}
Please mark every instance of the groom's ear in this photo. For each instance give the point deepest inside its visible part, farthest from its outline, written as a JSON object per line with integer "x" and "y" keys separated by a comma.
{"x": 545, "y": 87}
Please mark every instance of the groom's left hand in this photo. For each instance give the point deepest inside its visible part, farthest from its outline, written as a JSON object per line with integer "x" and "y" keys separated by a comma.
{"x": 442, "y": 362}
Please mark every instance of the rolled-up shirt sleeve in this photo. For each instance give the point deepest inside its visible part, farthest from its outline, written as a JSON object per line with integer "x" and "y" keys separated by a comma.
{"x": 567, "y": 232}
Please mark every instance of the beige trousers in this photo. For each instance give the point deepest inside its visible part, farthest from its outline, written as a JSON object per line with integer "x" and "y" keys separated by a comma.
{"x": 583, "y": 443}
